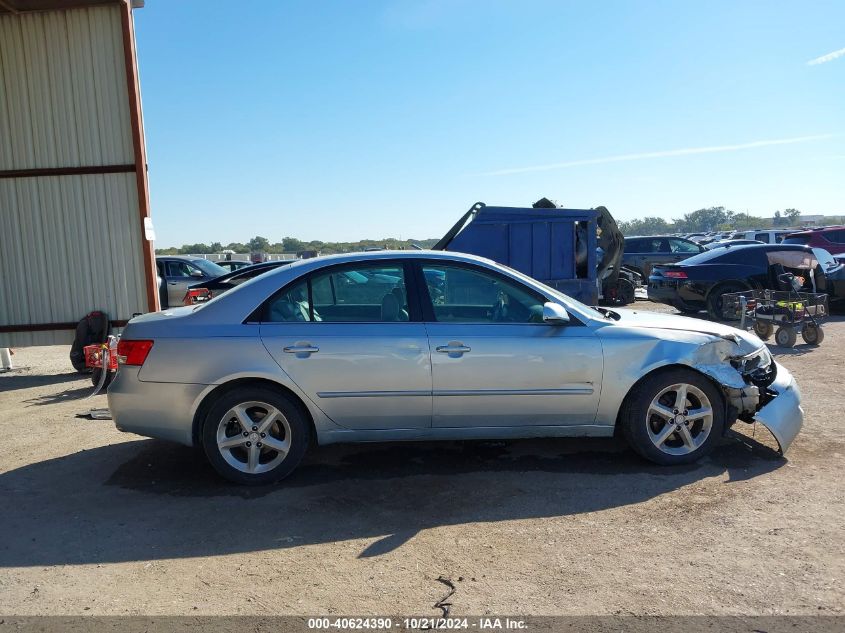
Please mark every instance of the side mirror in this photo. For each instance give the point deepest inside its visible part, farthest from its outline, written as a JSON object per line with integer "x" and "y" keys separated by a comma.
{"x": 554, "y": 314}
{"x": 196, "y": 273}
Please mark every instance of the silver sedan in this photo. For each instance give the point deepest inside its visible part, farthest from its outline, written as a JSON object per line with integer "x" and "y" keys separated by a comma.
{"x": 393, "y": 346}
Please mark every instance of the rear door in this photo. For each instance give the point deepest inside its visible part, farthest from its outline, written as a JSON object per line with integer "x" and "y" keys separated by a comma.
{"x": 495, "y": 363}
{"x": 348, "y": 336}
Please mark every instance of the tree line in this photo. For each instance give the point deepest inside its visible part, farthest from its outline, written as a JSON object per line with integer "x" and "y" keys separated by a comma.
{"x": 713, "y": 219}
{"x": 294, "y": 245}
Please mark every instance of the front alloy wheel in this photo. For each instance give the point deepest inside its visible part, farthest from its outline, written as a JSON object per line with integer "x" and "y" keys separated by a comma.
{"x": 679, "y": 419}
{"x": 673, "y": 416}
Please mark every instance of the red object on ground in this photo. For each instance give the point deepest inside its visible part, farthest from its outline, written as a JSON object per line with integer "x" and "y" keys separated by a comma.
{"x": 94, "y": 356}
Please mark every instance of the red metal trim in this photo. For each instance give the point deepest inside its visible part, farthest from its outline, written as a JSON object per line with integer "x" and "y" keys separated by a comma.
{"x": 48, "y": 327}
{"x": 136, "y": 120}
{"x": 66, "y": 171}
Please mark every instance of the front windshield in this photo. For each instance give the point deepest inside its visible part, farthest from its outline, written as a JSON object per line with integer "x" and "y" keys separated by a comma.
{"x": 209, "y": 269}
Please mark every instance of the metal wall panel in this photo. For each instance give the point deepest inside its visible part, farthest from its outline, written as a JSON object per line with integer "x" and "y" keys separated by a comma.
{"x": 69, "y": 262}
{"x": 63, "y": 93}
{"x": 73, "y": 243}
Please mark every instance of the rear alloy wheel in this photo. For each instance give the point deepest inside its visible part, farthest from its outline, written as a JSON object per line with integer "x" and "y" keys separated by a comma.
{"x": 785, "y": 336}
{"x": 255, "y": 436}
{"x": 716, "y": 308}
{"x": 812, "y": 334}
{"x": 763, "y": 329}
{"x": 675, "y": 417}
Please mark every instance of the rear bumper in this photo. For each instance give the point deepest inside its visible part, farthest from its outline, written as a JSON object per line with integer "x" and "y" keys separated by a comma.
{"x": 662, "y": 294}
{"x": 163, "y": 410}
{"x": 783, "y": 415}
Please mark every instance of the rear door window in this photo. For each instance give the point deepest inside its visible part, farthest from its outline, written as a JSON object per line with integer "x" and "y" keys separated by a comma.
{"x": 355, "y": 293}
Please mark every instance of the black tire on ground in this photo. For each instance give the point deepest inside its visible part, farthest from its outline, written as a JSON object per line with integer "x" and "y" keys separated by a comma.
{"x": 635, "y": 416}
{"x": 714, "y": 301}
{"x": 763, "y": 329}
{"x": 625, "y": 292}
{"x": 785, "y": 336}
{"x": 95, "y": 377}
{"x": 298, "y": 439}
{"x": 812, "y": 334}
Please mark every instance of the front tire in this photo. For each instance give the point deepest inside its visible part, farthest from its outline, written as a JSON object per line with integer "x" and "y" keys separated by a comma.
{"x": 673, "y": 417}
{"x": 255, "y": 436}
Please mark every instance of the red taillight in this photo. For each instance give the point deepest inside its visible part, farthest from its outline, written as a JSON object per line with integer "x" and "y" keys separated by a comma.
{"x": 675, "y": 274}
{"x": 196, "y": 295}
{"x": 133, "y": 352}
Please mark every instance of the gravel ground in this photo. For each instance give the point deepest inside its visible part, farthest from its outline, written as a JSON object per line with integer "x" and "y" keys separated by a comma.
{"x": 99, "y": 522}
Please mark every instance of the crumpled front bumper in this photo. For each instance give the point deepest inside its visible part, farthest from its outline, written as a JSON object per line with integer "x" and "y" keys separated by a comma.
{"x": 783, "y": 415}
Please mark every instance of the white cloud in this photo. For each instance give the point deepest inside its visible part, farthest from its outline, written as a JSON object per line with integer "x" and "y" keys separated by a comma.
{"x": 662, "y": 154}
{"x": 826, "y": 58}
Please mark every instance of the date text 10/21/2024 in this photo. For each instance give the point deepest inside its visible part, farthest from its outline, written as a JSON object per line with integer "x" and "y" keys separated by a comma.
{"x": 416, "y": 623}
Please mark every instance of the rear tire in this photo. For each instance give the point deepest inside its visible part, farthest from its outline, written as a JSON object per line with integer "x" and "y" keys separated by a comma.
{"x": 812, "y": 334}
{"x": 656, "y": 432}
{"x": 715, "y": 300}
{"x": 246, "y": 447}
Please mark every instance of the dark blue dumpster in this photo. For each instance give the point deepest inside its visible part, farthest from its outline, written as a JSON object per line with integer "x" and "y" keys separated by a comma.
{"x": 555, "y": 246}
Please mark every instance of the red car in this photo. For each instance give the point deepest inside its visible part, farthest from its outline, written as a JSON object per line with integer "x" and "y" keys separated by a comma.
{"x": 830, "y": 238}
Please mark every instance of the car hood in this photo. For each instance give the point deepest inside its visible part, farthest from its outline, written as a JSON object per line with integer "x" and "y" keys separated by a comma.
{"x": 687, "y": 329}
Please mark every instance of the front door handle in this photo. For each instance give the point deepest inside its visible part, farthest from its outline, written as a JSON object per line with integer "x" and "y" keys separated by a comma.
{"x": 301, "y": 349}
{"x": 455, "y": 349}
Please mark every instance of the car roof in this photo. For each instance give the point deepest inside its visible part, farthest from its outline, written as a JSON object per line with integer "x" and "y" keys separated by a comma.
{"x": 184, "y": 258}
{"x": 821, "y": 229}
{"x": 655, "y": 237}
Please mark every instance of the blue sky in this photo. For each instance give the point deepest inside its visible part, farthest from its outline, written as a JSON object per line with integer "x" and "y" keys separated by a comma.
{"x": 368, "y": 119}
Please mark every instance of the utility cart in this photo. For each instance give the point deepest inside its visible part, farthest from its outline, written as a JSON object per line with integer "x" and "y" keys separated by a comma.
{"x": 783, "y": 313}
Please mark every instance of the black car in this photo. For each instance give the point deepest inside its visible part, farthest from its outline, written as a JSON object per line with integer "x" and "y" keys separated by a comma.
{"x": 700, "y": 282}
{"x": 641, "y": 253}
{"x": 205, "y": 290}
{"x": 233, "y": 264}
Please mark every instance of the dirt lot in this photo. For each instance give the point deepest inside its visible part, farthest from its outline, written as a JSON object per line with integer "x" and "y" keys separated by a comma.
{"x": 99, "y": 522}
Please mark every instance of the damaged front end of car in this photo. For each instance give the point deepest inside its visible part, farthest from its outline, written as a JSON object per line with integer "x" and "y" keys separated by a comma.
{"x": 756, "y": 387}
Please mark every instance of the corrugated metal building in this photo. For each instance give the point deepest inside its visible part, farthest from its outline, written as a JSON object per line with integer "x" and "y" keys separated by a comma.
{"x": 73, "y": 185}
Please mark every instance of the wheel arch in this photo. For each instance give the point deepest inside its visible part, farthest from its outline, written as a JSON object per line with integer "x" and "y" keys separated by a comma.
{"x": 208, "y": 399}
{"x": 724, "y": 282}
{"x": 664, "y": 369}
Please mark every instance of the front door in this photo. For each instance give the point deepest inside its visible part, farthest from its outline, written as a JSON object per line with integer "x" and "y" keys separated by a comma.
{"x": 180, "y": 275}
{"x": 354, "y": 347}
{"x": 495, "y": 363}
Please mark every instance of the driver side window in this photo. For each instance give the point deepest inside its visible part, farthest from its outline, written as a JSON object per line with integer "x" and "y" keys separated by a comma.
{"x": 469, "y": 295}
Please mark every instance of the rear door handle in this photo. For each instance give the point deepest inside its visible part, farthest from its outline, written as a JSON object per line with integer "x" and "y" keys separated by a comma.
{"x": 301, "y": 349}
{"x": 454, "y": 349}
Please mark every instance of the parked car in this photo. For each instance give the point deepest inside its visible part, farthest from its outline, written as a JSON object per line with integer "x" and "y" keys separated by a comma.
{"x": 765, "y": 236}
{"x": 359, "y": 347}
{"x": 700, "y": 282}
{"x": 205, "y": 290}
{"x": 180, "y": 271}
{"x": 831, "y": 238}
{"x": 641, "y": 253}
{"x": 720, "y": 243}
{"x": 232, "y": 264}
